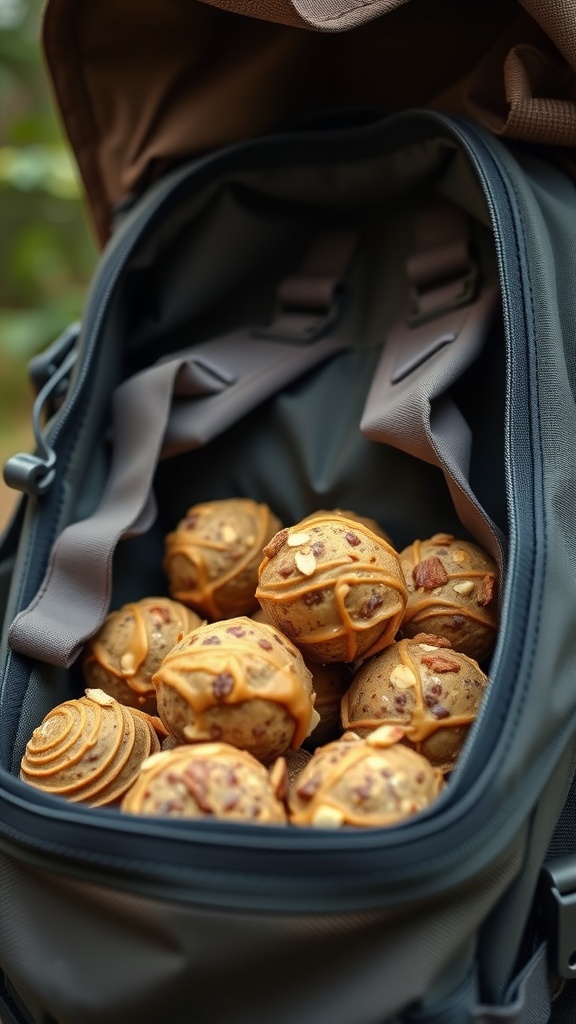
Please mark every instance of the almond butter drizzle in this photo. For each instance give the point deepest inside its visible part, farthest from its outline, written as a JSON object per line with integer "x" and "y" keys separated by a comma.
{"x": 426, "y": 607}
{"x": 285, "y": 686}
{"x": 204, "y": 594}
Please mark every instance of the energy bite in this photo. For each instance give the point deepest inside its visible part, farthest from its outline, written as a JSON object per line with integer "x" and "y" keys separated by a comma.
{"x": 367, "y": 783}
{"x": 88, "y": 750}
{"x": 210, "y": 780}
{"x": 334, "y": 587}
{"x": 127, "y": 649}
{"x": 431, "y": 691}
{"x": 212, "y": 557}
{"x": 452, "y": 592}
{"x": 240, "y": 682}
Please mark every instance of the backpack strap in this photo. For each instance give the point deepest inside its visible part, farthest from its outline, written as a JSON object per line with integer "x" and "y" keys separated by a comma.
{"x": 409, "y": 404}
{"x": 178, "y": 404}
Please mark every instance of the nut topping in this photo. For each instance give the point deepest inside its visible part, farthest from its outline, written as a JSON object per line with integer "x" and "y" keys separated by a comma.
{"x": 306, "y": 563}
{"x": 430, "y": 573}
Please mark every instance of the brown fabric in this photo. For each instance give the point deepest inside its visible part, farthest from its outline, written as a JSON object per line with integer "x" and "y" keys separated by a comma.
{"x": 142, "y": 86}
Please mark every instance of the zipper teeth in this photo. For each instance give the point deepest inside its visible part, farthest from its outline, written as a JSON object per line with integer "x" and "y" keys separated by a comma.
{"x": 472, "y": 142}
{"x": 468, "y": 131}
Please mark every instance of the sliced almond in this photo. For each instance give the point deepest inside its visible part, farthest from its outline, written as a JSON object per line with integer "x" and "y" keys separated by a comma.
{"x": 402, "y": 677}
{"x": 305, "y": 563}
{"x": 294, "y": 540}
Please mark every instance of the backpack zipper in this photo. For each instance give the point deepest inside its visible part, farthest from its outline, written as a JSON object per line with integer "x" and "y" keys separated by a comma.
{"x": 254, "y": 866}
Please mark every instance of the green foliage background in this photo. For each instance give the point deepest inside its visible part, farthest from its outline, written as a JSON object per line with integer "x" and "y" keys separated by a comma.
{"x": 47, "y": 252}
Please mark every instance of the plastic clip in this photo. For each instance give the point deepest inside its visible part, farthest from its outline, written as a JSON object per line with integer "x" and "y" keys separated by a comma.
{"x": 557, "y": 904}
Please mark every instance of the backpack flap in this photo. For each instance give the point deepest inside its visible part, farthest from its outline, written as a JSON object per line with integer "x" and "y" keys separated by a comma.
{"x": 142, "y": 87}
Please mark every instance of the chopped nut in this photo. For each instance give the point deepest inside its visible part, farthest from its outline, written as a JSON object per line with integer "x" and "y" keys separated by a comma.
{"x": 229, "y": 533}
{"x": 465, "y": 587}
{"x": 273, "y": 546}
{"x": 127, "y": 663}
{"x": 430, "y": 573}
{"x": 327, "y": 817}
{"x": 385, "y": 736}
{"x": 305, "y": 563}
{"x": 402, "y": 677}
{"x": 440, "y": 663}
{"x": 460, "y": 556}
{"x": 295, "y": 539}
{"x": 429, "y": 641}
{"x": 442, "y": 538}
{"x": 487, "y": 589}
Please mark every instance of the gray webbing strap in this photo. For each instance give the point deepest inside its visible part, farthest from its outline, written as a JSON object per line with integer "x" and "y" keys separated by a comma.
{"x": 214, "y": 384}
{"x": 528, "y": 999}
{"x": 409, "y": 405}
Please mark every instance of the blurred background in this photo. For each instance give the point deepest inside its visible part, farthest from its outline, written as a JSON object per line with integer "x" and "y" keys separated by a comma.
{"x": 47, "y": 252}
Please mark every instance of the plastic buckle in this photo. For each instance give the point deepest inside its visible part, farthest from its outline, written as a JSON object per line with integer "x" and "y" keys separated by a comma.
{"x": 557, "y": 904}
{"x": 467, "y": 293}
{"x": 305, "y": 323}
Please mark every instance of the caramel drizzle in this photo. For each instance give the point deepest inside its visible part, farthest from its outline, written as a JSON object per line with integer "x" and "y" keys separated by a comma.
{"x": 276, "y": 592}
{"x": 422, "y": 725}
{"x": 283, "y": 686}
{"x": 356, "y": 753}
{"x": 205, "y": 591}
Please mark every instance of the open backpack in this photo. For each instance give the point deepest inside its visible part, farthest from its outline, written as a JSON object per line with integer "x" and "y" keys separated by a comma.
{"x": 337, "y": 272}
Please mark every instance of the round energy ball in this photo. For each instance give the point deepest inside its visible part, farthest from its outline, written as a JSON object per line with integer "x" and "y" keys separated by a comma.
{"x": 431, "y": 691}
{"x": 334, "y": 587}
{"x": 209, "y": 780}
{"x": 240, "y": 682}
{"x": 452, "y": 592}
{"x": 367, "y": 783}
{"x": 88, "y": 750}
{"x": 127, "y": 649}
{"x": 212, "y": 557}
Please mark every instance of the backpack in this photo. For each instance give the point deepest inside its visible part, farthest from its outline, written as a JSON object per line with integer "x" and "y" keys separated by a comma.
{"x": 338, "y": 248}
